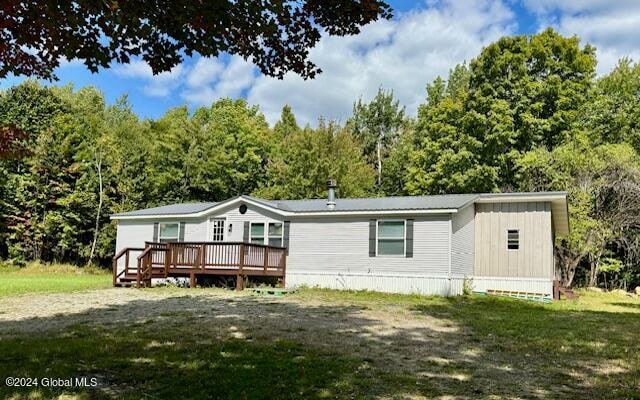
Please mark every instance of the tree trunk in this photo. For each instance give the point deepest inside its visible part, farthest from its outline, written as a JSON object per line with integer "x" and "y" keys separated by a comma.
{"x": 594, "y": 270}
{"x": 98, "y": 160}
{"x": 379, "y": 154}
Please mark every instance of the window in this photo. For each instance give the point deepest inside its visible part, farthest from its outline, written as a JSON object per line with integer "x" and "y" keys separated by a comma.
{"x": 257, "y": 233}
{"x": 513, "y": 239}
{"x": 169, "y": 232}
{"x": 218, "y": 229}
{"x": 391, "y": 238}
{"x": 275, "y": 234}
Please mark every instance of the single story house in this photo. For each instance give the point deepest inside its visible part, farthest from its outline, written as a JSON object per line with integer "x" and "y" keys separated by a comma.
{"x": 414, "y": 244}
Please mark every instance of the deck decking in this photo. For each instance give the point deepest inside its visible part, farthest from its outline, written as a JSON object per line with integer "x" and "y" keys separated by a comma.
{"x": 192, "y": 259}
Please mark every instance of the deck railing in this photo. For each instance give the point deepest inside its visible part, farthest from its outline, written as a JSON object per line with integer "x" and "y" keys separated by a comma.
{"x": 194, "y": 258}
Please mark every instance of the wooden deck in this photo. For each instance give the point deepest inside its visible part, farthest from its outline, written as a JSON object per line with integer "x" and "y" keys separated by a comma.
{"x": 192, "y": 259}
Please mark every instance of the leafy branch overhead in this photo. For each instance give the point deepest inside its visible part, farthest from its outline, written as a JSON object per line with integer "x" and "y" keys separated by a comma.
{"x": 276, "y": 35}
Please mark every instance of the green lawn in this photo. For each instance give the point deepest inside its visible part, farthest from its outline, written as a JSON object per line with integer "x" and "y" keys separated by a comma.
{"x": 165, "y": 343}
{"x": 39, "y": 278}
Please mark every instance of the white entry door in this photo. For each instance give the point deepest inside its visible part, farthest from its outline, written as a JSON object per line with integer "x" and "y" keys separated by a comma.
{"x": 217, "y": 230}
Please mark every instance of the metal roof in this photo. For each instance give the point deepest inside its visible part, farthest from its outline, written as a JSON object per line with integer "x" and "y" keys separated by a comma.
{"x": 438, "y": 202}
{"x": 171, "y": 209}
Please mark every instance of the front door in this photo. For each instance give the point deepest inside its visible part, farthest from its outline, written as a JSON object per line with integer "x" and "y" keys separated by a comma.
{"x": 217, "y": 230}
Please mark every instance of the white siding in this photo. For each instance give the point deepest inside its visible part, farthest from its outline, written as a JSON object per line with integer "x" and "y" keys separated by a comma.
{"x": 133, "y": 233}
{"x": 236, "y": 220}
{"x": 462, "y": 242}
{"x": 341, "y": 246}
{"x": 196, "y": 230}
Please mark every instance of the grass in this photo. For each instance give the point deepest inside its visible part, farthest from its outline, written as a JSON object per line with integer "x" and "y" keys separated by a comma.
{"x": 52, "y": 278}
{"x": 201, "y": 344}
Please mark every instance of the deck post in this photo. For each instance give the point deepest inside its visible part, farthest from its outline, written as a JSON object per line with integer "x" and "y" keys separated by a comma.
{"x": 192, "y": 280}
{"x": 115, "y": 271}
{"x": 266, "y": 259}
{"x": 126, "y": 262}
{"x": 284, "y": 269}
{"x": 138, "y": 275}
{"x": 239, "y": 278}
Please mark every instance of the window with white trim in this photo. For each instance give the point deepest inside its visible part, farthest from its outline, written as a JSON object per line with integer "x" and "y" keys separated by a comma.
{"x": 391, "y": 238}
{"x": 275, "y": 234}
{"x": 168, "y": 232}
{"x": 257, "y": 233}
{"x": 217, "y": 227}
{"x": 513, "y": 239}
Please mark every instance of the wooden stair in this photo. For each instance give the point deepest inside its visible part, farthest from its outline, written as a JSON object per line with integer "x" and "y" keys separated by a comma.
{"x": 561, "y": 292}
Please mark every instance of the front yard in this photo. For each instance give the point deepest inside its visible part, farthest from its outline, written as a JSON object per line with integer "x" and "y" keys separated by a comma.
{"x": 206, "y": 343}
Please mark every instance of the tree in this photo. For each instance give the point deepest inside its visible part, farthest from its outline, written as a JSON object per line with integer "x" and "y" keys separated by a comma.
{"x": 287, "y": 124}
{"x": 525, "y": 92}
{"x": 274, "y": 34}
{"x": 444, "y": 158}
{"x": 229, "y": 151}
{"x": 377, "y": 126}
{"x": 299, "y": 169}
{"x": 612, "y": 116}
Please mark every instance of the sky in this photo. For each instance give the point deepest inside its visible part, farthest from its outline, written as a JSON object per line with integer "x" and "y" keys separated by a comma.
{"x": 424, "y": 39}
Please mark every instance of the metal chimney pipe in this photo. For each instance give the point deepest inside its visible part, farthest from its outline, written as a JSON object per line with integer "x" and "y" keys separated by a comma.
{"x": 331, "y": 193}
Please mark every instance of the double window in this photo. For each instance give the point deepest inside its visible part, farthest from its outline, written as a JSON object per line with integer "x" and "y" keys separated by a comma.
{"x": 391, "y": 239}
{"x": 168, "y": 232}
{"x": 273, "y": 237}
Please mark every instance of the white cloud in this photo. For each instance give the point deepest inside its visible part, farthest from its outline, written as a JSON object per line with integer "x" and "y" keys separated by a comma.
{"x": 611, "y": 26}
{"x": 205, "y": 71}
{"x": 160, "y": 85}
{"x": 210, "y": 80}
{"x": 403, "y": 54}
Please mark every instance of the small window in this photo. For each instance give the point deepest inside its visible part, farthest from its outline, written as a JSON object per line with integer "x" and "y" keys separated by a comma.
{"x": 275, "y": 234}
{"x": 513, "y": 239}
{"x": 218, "y": 229}
{"x": 257, "y": 233}
{"x": 169, "y": 232}
{"x": 391, "y": 238}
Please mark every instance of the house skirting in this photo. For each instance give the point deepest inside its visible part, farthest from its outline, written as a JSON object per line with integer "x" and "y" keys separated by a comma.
{"x": 425, "y": 285}
{"x": 531, "y": 285}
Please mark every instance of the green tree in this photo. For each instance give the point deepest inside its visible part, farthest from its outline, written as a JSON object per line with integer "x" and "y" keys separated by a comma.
{"x": 229, "y": 151}
{"x": 307, "y": 158}
{"x": 377, "y": 125}
{"x": 613, "y": 115}
{"x": 287, "y": 124}
{"x": 526, "y": 92}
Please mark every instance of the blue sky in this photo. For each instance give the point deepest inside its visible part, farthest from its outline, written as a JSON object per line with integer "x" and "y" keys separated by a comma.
{"x": 425, "y": 39}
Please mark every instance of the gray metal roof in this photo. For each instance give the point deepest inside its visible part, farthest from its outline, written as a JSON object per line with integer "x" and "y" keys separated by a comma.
{"x": 438, "y": 202}
{"x": 434, "y": 202}
{"x": 171, "y": 209}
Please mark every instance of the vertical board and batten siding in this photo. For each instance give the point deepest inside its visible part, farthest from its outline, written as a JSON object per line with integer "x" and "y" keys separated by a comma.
{"x": 334, "y": 252}
{"x": 462, "y": 241}
{"x": 530, "y": 268}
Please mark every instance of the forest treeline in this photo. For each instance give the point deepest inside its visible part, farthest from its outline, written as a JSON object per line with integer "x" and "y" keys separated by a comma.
{"x": 527, "y": 114}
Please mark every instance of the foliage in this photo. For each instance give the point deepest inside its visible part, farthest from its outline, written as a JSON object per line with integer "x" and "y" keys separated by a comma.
{"x": 300, "y": 167}
{"x": 35, "y": 36}
{"x": 377, "y": 126}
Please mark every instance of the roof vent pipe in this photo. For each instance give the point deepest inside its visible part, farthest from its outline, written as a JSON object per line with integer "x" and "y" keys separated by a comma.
{"x": 331, "y": 196}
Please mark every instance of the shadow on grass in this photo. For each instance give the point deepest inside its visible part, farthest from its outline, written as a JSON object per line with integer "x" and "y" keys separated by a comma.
{"x": 543, "y": 346}
{"x": 248, "y": 348}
